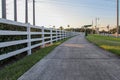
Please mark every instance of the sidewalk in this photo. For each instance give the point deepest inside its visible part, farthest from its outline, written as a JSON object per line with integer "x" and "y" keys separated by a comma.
{"x": 76, "y": 59}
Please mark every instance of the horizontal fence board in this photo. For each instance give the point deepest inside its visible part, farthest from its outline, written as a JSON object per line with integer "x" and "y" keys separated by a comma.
{"x": 10, "y": 54}
{"x": 13, "y": 23}
{"x": 36, "y": 45}
{"x": 54, "y": 40}
{"x": 35, "y": 33}
{"x": 46, "y": 32}
{"x": 10, "y": 43}
{"x": 6, "y": 32}
{"x": 47, "y": 37}
{"x": 47, "y": 28}
{"x": 47, "y": 42}
{"x": 37, "y": 27}
{"x": 37, "y": 39}
{"x": 54, "y": 35}
{"x": 59, "y": 35}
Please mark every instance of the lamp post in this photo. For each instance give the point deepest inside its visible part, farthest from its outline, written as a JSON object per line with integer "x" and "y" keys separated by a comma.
{"x": 4, "y": 9}
{"x": 117, "y": 18}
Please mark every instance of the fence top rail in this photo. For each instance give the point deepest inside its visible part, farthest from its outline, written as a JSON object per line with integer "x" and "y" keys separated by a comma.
{"x": 10, "y": 22}
{"x": 38, "y": 27}
{"x": 5, "y": 32}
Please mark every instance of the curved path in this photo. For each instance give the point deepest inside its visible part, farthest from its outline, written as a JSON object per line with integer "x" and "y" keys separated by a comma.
{"x": 76, "y": 59}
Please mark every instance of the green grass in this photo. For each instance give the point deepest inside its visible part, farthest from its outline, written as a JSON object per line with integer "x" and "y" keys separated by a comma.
{"x": 15, "y": 70}
{"x": 111, "y": 44}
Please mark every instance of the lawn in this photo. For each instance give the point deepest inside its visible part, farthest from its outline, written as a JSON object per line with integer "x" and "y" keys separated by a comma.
{"x": 15, "y": 70}
{"x": 111, "y": 44}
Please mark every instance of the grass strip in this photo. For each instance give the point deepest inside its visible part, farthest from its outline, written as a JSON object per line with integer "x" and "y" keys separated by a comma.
{"x": 15, "y": 70}
{"x": 108, "y": 43}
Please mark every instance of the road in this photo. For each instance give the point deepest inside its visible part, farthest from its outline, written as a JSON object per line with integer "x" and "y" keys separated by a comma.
{"x": 76, "y": 59}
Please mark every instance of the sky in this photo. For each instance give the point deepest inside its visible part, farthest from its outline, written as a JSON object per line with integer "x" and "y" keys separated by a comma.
{"x": 75, "y": 13}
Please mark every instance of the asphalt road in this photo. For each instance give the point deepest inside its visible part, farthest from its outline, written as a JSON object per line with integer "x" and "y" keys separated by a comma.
{"x": 76, "y": 59}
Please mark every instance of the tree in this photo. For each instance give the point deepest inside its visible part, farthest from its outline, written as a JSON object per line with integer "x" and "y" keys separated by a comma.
{"x": 53, "y": 27}
{"x": 61, "y": 28}
{"x": 113, "y": 31}
{"x": 68, "y": 26}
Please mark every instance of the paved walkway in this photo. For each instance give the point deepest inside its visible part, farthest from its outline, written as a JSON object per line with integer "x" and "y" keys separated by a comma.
{"x": 76, "y": 59}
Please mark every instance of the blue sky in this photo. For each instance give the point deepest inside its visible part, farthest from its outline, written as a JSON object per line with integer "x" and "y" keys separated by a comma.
{"x": 64, "y": 12}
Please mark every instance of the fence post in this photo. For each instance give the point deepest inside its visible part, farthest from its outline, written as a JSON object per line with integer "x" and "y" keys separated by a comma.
{"x": 51, "y": 33}
{"x": 43, "y": 35}
{"x": 64, "y": 35}
{"x": 29, "y": 39}
{"x": 60, "y": 34}
{"x": 56, "y": 35}
{"x": 67, "y": 34}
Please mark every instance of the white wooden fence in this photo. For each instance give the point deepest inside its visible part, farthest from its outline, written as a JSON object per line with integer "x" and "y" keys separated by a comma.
{"x": 59, "y": 34}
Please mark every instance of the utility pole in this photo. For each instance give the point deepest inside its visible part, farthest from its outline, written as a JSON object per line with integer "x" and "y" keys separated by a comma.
{"x": 4, "y": 9}
{"x": 26, "y": 11}
{"x": 117, "y": 18}
{"x": 33, "y": 12}
{"x": 15, "y": 10}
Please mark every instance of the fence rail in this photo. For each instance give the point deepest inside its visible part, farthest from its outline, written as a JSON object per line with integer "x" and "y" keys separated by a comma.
{"x": 44, "y": 36}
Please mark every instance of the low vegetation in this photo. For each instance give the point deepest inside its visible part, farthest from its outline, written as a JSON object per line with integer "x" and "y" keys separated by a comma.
{"x": 15, "y": 70}
{"x": 111, "y": 44}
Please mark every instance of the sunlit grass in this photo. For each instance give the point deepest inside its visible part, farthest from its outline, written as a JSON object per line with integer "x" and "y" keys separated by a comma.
{"x": 111, "y": 44}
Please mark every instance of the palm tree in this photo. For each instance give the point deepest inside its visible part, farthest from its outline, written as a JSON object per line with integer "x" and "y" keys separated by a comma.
{"x": 68, "y": 27}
